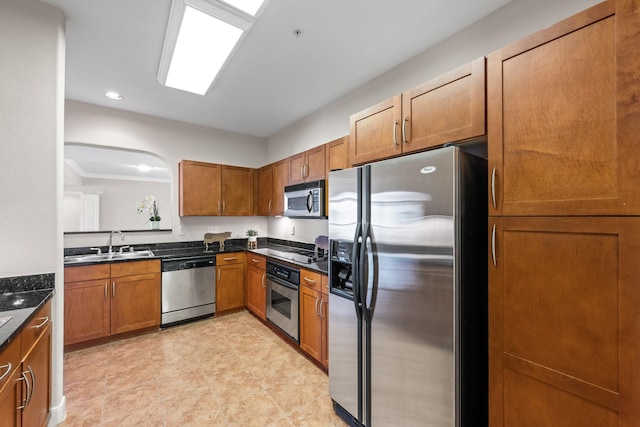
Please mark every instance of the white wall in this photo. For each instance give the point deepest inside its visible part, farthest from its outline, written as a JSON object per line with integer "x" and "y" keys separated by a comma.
{"x": 506, "y": 25}
{"x": 31, "y": 121}
{"x": 172, "y": 141}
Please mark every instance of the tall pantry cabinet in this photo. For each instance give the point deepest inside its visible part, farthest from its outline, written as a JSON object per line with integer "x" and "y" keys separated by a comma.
{"x": 564, "y": 170}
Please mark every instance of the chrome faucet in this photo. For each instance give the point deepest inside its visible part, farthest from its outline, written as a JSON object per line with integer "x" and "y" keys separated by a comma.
{"x": 111, "y": 239}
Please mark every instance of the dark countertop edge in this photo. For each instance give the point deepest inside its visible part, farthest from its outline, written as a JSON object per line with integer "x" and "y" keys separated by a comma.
{"x": 229, "y": 247}
{"x": 20, "y": 317}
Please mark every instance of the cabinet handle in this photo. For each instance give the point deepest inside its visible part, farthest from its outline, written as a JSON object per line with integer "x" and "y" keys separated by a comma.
{"x": 493, "y": 187}
{"x": 395, "y": 138}
{"x": 219, "y": 211}
{"x": 113, "y": 289}
{"x": 45, "y": 320}
{"x": 493, "y": 245}
{"x": 317, "y": 312}
{"x": 218, "y": 274}
{"x": 224, "y": 206}
{"x": 269, "y": 206}
{"x": 33, "y": 383}
{"x": 24, "y": 378}
{"x": 321, "y": 302}
{"x": 231, "y": 258}
{"x": 255, "y": 260}
{"x": 263, "y": 280}
{"x": 404, "y": 122}
{"x": 8, "y": 366}
{"x": 306, "y": 279}
{"x": 106, "y": 286}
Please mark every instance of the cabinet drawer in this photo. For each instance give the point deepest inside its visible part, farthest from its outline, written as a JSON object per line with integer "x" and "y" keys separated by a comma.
{"x": 310, "y": 279}
{"x": 9, "y": 360}
{"x": 230, "y": 258}
{"x": 257, "y": 261}
{"x": 34, "y": 329}
{"x": 132, "y": 268}
{"x": 87, "y": 272}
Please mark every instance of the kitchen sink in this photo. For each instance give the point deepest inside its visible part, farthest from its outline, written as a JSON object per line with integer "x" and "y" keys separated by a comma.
{"x": 73, "y": 259}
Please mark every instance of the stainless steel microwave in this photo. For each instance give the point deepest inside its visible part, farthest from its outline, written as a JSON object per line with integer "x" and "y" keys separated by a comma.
{"x": 305, "y": 200}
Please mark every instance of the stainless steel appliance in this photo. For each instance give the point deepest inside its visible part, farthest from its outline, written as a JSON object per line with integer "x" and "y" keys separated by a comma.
{"x": 188, "y": 288}
{"x": 408, "y": 291}
{"x": 282, "y": 297}
{"x": 305, "y": 200}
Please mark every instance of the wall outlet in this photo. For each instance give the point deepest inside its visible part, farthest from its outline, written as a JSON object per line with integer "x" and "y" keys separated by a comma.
{"x": 293, "y": 230}
{"x": 181, "y": 230}
{"x": 213, "y": 229}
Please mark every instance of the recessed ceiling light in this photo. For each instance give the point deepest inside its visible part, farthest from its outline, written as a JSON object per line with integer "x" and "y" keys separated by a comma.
{"x": 113, "y": 95}
{"x": 201, "y": 35}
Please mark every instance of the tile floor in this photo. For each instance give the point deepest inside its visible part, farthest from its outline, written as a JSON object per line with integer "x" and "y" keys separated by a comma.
{"x": 225, "y": 371}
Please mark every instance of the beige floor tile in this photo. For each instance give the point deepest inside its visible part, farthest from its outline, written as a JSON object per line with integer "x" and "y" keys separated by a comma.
{"x": 226, "y": 371}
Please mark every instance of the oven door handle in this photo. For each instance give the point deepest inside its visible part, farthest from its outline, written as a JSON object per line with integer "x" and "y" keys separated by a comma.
{"x": 281, "y": 282}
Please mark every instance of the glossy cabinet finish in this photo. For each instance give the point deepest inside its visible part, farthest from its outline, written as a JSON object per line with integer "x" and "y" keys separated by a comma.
{"x": 256, "y": 285}
{"x": 10, "y": 375}
{"x": 236, "y": 191}
{"x": 449, "y": 108}
{"x": 230, "y": 281}
{"x": 280, "y": 180}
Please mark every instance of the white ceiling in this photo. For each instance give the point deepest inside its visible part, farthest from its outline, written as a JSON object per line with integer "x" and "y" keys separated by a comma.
{"x": 274, "y": 78}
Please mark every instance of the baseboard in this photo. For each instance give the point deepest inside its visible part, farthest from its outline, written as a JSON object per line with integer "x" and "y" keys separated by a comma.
{"x": 58, "y": 413}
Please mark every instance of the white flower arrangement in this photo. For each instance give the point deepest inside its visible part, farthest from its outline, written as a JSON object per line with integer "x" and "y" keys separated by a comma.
{"x": 151, "y": 207}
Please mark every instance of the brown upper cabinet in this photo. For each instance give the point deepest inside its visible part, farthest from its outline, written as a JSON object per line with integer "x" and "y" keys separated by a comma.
{"x": 265, "y": 190}
{"x": 280, "y": 180}
{"x": 563, "y": 117}
{"x": 207, "y": 189}
{"x": 307, "y": 166}
{"x": 449, "y": 108}
{"x": 337, "y": 155}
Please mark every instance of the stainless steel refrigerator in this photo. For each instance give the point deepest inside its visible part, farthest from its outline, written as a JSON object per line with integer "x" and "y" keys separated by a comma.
{"x": 408, "y": 291}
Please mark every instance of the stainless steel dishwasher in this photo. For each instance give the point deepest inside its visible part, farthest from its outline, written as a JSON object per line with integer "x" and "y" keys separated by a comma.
{"x": 188, "y": 289}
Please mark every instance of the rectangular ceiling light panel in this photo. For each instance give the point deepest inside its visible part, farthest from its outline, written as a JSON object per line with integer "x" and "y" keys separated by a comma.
{"x": 200, "y": 37}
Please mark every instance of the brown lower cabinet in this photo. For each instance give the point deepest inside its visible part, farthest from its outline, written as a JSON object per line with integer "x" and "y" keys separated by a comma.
{"x": 564, "y": 341}
{"x": 313, "y": 315}
{"x": 25, "y": 374}
{"x": 257, "y": 285}
{"x": 230, "y": 281}
{"x": 108, "y": 299}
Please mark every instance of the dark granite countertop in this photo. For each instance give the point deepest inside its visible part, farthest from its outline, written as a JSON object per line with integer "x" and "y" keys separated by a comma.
{"x": 300, "y": 253}
{"x": 20, "y": 298}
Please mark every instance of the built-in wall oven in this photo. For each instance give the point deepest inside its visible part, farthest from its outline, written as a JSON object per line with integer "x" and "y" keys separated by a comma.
{"x": 282, "y": 297}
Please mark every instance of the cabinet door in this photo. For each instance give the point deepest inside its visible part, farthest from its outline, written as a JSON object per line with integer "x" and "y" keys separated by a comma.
{"x": 375, "y": 132}
{"x": 315, "y": 164}
{"x": 256, "y": 291}
{"x": 265, "y": 190}
{"x": 337, "y": 155}
{"x": 10, "y": 400}
{"x": 449, "y": 108}
{"x": 37, "y": 369}
{"x": 86, "y": 311}
{"x": 230, "y": 287}
{"x": 199, "y": 188}
{"x": 135, "y": 302}
{"x": 280, "y": 180}
{"x": 237, "y": 191}
{"x": 324, "y": 313}
{"x": 563, "y": 321}
{"x": 310, "y": 322}
{"x": 297, "y": 166}
{"x": 563, "y": 118}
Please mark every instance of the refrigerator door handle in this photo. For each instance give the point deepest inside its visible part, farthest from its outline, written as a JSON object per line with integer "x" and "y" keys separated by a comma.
{"x": 355, "y": 259}
{"x": 368, "y": 252}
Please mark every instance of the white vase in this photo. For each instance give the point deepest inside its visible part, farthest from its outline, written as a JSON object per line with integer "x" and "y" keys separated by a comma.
{"x": 252, "y": 242}
{"x": 155, "y": 225}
